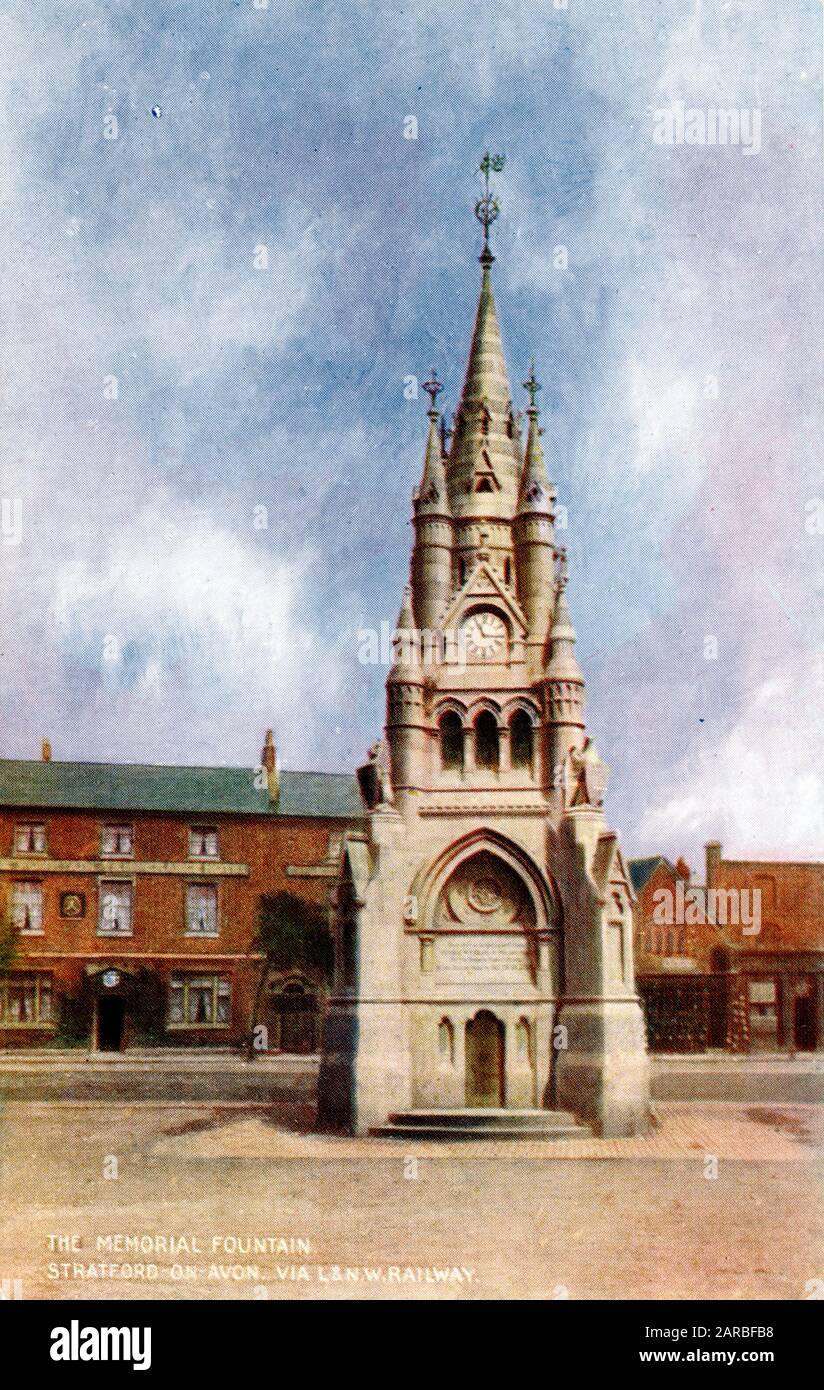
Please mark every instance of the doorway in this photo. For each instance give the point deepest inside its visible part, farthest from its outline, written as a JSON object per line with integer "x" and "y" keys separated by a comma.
{"x": 111, "y": 1018}
{"x": 484, "y": 1061}
{"x": 296, "y": 1012}
{"x": 804, "y": 1024}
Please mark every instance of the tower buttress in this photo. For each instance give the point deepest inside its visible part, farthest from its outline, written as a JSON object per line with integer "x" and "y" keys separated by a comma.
{"x": 432, "y": 555}
{"x": 406, "y": 723}
{"x": 534, "y": 534}
{"x": 564, "y": 695}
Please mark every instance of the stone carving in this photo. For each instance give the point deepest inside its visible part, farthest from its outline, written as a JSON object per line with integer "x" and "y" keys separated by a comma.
{"x": 589, "y": 776}
{"x": 484, "y": 895}
{"x": 374, "y": 780}
{"x": 485, "y": 892}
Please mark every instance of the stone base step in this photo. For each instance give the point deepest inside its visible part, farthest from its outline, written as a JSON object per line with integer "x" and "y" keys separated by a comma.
{"x": 482, "y": 1124}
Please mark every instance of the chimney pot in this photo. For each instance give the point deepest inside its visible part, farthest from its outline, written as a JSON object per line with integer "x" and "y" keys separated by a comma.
{"x": 45, "y": 751}
{"x": 269, "y": 760}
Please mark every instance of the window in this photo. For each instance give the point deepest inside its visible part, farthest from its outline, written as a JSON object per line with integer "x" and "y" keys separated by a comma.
{"x": 117, "y": 839}
{"x": 203, "y": 842}
{"x": 200, "y": 1001}
{"x": 201, "y": 909}
{"x": 25, "y": 1000}
{"x": 27, "y": 908}
{"x": 520, "y": 736}
{"x": 486, "y": 740}
{"x": 30, "y": 838}
{"x": 446, "y": 1042}
{"x": 452, "y": 742}
{"x": 115, "y": 909}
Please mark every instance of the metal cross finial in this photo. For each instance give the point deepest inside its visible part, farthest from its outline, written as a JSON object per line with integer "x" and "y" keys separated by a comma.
{"x": 433, "y": 388}
{"x": 487, "y": 207}
{"x": 531, "y": 385}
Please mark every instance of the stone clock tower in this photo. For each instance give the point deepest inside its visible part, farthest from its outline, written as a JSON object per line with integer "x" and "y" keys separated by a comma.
{"x": 483, "y": 916}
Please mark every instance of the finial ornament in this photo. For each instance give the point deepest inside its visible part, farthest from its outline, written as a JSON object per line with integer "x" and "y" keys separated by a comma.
{"x": 532, "y": 386}
{"x": 487, "y": 207}
{"x": 433, "y": 388}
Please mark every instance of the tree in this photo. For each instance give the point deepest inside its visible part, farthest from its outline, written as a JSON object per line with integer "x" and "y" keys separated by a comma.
{"x": 8, "y": 937}
{"x": 291, "y": 934}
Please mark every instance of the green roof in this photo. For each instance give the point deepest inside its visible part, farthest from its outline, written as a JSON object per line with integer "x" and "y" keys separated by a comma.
{"x": 191, "y": 790}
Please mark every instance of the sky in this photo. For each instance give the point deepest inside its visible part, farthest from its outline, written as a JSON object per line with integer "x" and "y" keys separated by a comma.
{"x": 223, "y": 258}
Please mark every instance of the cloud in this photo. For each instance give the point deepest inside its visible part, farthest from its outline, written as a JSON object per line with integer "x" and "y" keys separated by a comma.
{"x": 761, "y": 788}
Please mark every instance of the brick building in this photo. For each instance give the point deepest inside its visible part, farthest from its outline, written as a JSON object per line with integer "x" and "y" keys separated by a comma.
{"x": 131, "y": 895}
{"x": 736, "y": 962}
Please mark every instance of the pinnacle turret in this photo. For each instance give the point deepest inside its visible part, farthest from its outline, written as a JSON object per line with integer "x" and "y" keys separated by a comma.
{"x": 563, "y": 664}
{"x": 432, "y": 556}
{"x": 431, "y": 496}
{"x": 535, "y": 494}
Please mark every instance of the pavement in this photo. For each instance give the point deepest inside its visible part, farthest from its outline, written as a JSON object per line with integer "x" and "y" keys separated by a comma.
{"x": 192, "y": 1074}
{"x": 243, "y": 1201}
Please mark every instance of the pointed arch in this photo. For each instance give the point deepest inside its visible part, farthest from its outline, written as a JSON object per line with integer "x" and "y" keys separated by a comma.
{"x": 451, "y": 735}
{"x": 543, "y": 892}
{"x": 487, "y": 741}
{"x": 446, "y": 1042}
{"x": 521, "y": 739}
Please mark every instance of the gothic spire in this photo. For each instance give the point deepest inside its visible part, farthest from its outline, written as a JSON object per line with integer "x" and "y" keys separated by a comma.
{"x": 563, "y": 664}
{"x": 484, "y": 455}
{"x": 431, "y": 495}
{"x": 535, "y": 493}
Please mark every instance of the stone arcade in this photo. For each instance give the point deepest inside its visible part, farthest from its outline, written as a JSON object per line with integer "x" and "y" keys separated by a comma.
{"x": 483, "y": 917}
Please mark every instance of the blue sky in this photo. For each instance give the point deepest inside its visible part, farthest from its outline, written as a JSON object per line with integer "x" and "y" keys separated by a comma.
{"x": 146, "y": 616}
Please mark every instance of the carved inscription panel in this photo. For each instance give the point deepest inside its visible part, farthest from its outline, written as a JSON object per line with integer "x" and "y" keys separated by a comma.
{"x": 486, "y": 959}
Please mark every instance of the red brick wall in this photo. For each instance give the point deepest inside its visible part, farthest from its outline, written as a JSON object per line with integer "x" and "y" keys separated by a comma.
{"x": 265, "y": 844}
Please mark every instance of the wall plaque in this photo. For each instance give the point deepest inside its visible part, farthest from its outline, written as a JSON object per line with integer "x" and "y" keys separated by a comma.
{"x": 488, "y": 958}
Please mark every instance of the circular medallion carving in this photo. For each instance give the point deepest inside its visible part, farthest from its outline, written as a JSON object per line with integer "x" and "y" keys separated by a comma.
{"x": 484, "y": 894}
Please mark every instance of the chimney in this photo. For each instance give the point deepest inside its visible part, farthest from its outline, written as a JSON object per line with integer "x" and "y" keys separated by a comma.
{"x": 45, "y": 751}
{"x": 683, "y": 869}
{"x": 713, "y": 853}
{"x": 269, "y": 761}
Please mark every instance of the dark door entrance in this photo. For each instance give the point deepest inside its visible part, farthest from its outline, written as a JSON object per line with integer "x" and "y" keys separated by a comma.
{"x": 804, "y": 1029}
{"x": 484, "y": 1060}
{"x": 297, "y": 1009}
{"x": 111, "y": 1016}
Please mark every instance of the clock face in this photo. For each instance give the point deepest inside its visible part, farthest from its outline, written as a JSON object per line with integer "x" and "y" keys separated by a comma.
{"x": 485, "y": 636}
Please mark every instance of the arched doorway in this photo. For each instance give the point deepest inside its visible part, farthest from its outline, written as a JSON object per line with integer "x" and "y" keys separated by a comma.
{"x": 295, "y": 1010}
{"x": 112, "y": 992}
{"x": 484, "y": 1061}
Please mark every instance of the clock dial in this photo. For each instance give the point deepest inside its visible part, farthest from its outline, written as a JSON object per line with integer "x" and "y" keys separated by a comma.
{"x": 484, "y": 635}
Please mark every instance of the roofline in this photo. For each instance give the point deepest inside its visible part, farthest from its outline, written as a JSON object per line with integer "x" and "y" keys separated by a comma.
{"x": 776, "y": 863}
{"x": 169, "y": 767}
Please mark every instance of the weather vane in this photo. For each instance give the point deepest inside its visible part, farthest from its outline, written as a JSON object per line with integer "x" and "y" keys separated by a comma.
{"x": 433, "y": 388}
{"x": 531, "y": 385}
{"x": 487, "y": 208}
